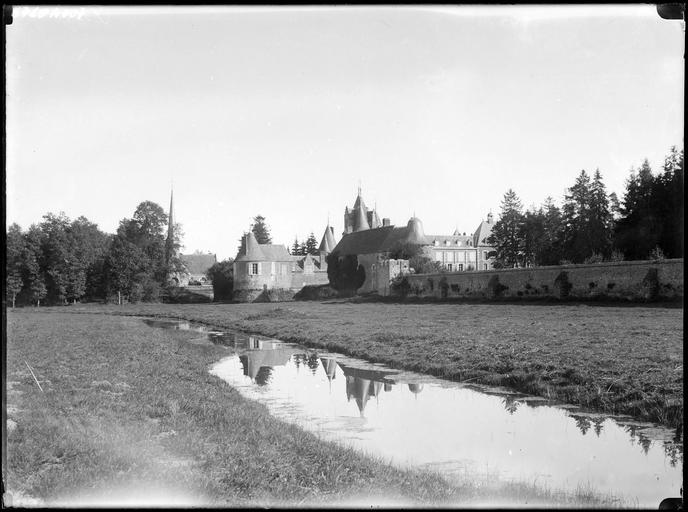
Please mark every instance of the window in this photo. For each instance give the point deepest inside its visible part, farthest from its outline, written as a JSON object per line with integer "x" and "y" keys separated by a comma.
{"x": 485, "y": 266}
{"x": 435, "y": 242}
{"x": 438, "y": 256}
{"x": 253, "y": 269}
{"x": 272, "y": 268}
{"x": 447, "y": 242}
{"x": 449, "y": 267}
{"x": 461, "y": 267}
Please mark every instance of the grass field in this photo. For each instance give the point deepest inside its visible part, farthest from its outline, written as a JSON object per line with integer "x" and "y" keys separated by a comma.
{"x": 130, "y": 415}
{"x": 615, "y": 359}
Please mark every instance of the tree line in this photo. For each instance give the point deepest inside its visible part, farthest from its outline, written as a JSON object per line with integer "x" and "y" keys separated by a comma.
{"x": 60, "y": 260}
{"x": 593, "y": 225}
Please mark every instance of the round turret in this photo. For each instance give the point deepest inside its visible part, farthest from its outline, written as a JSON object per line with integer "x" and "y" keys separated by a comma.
{"x": 415, "y": 235}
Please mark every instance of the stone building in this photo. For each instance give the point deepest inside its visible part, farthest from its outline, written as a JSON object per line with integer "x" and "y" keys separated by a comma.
{"x": 263, "y": 271}
{"x": 260, "y": 268}
{"x": 456, "y": 253}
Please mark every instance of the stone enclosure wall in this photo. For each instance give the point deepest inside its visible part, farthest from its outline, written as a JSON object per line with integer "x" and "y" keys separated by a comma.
{"x": 626, "y": 280}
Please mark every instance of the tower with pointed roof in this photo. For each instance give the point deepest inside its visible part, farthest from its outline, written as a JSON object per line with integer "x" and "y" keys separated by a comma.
{"x": 360, "y": 218}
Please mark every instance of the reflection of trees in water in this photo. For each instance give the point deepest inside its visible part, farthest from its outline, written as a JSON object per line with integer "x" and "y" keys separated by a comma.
{"x": 583, "y": 423}
{"x": 510, "y": 404}
{"x": 299, "y": 359}
{"x": 313, "y": 362}
{"x": 673, "y": 452}
{"x": 263, "y": 375}
{"x": 645, "y": 443}
{"x": 599, "y": 426}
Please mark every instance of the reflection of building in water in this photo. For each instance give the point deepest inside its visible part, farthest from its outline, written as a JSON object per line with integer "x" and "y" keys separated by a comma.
{"x": 415, "y": 387}
{"x": 330, "y": 366}
{"x": 264, "y": 354}
{"x": 362, "y": 384}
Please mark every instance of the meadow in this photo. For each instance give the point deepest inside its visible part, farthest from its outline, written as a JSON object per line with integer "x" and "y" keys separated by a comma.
{"x": 103, "y": 410}
{"x": 608, "y": 358}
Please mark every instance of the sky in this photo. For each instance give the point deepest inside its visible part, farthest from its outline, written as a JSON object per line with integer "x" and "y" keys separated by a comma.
{"x": 285, "y": 111}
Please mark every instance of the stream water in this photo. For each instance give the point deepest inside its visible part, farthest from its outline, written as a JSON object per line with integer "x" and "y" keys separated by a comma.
{"x": 455, "y": 428}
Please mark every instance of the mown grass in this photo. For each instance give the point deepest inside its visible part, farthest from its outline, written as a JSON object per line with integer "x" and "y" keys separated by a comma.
{"x": 613, "y": 359}
{"x": 130, "y": 415}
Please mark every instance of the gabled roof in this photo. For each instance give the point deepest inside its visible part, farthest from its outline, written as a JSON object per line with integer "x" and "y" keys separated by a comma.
{"x": 198, "y": 263}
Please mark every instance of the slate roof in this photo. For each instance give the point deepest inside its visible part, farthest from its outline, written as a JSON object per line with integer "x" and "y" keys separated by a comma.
{"x": 262, "y": 252}
{"x": 481, "y": 234}
{"x": 198, "y": 263}
{"x": 382, "y": 239}
{"x": 328, "y": 242}
{"x": 464, "y": 239}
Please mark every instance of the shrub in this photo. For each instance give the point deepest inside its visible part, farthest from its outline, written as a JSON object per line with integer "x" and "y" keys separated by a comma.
{"x": 595, "y": 257}
{"x": 616, "y": 256}
{"x": 222, "y": 276}
{"x": 400, "y": 286}
{"x": 495, "y": 288}
{"x": 562, "y": 284}
{"x": 316, "y": 292}
{"x": 657, "y": 254}
{"x": 651, "y": 284}
{"x": 344, "y": 272}
{"x": 444, "y": 288}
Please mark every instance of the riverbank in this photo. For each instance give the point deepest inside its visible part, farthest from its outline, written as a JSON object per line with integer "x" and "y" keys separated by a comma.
{"x": 612, "y": 359}
{"x": 125, "y": 414}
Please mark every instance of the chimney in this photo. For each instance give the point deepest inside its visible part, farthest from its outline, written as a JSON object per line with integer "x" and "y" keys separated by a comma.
{"x": 489, "y": 218}
{"x": 385, "y": 222}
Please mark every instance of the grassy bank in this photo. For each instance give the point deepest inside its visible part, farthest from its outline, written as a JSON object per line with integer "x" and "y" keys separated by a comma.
{"x": 611, "y": 359}
{"x": 130, "y": 415}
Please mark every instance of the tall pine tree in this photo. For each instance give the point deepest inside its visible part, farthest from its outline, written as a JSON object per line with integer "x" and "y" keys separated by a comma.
{"x": 507, "y": 234}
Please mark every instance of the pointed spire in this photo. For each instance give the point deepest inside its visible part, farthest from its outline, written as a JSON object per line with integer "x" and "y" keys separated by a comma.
{"x": 170, "y": 221}
{"x": 328, "y": 243}
{"x": 360, "y": 221}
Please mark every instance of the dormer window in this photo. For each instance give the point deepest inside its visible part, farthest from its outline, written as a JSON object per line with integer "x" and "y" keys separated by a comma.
{"x": 447, "y": 242}
{"x": 458, "y": 242}
{"x": 435, "y": 242}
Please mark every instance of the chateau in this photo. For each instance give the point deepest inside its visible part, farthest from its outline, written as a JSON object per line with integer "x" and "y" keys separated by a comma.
{"x": 268, "y": 272}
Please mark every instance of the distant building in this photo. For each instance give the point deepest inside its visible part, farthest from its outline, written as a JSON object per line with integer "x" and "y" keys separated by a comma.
{"x": 456, "y": 253}
{"x": 360, "y": 218}
{"x": 194, "y": 265}
{"x": 259, "y": 268}
{"x": 197, "y": 265}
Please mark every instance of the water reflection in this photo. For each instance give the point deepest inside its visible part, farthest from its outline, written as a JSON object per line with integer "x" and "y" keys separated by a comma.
{"x": 452, "y": 427}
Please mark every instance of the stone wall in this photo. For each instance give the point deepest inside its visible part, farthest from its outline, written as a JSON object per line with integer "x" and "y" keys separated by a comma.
{"x": 626, "y": 280}
{"x": 301, "y": 279}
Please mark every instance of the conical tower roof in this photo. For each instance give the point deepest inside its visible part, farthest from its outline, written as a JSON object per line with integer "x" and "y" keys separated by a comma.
{"x": 415, "y": 233}
{"x": 360, "y": 220}
{"x": 328, "y": 242}
{"x": 251, "y": 250}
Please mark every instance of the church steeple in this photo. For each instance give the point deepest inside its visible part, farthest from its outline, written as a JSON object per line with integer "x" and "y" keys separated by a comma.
{"x": 169, "y": 243}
